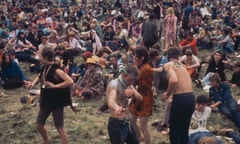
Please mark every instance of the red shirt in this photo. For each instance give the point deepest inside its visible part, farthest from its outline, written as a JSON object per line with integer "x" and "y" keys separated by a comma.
{"x": 192, "y": 43}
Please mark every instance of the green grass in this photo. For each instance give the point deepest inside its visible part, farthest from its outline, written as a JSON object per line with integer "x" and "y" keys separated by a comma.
{"x": 17, "y": 121}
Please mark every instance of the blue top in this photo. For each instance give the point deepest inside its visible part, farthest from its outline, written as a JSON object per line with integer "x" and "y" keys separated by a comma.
{"x": 222, "y": 93}
{"x": 163, "y": 60}
{"x": 187, "y": 11}
{"x": 11, "y": 71}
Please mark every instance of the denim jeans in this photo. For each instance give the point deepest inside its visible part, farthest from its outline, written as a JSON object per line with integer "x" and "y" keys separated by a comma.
{"x": 195, "y": 137}
{"x": 235, "y": 136}
{"x": 205, "y": 81}
{"x": 230, "y": 110}
{"x": 121, "y": 131}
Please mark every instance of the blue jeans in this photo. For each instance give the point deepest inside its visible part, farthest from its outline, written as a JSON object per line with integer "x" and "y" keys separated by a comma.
{"x": 121, "y": 131}
{"x": 195, "y": 137}
{"x": 183, "y": 106}
{"x": 235, "y": 136}
{"x": 230, "y": 110}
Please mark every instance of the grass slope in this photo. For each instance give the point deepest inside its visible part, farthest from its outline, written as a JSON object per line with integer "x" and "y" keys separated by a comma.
{"x": 17, "y": 121}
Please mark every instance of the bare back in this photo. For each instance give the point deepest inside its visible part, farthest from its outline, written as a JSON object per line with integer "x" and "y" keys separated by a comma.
{"x": 183, "y": 79}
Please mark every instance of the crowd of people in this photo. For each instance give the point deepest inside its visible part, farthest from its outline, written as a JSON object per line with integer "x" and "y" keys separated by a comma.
{"x": 131, "y": 51}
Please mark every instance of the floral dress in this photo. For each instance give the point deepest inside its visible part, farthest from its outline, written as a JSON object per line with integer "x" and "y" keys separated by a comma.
{"x": 144, "y": 87}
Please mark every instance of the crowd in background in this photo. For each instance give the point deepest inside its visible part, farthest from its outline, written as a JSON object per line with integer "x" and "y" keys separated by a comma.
{"x": 94, "y": 40}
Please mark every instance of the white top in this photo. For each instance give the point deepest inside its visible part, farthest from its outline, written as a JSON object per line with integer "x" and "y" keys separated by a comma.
{"x": 199, "y": 120}
{"x": 74, "y": 43}
{"x": 195, "y": 59}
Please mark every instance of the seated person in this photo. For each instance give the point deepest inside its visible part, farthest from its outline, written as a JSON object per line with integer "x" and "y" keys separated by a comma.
{"x": 216, "y": 64}
{"x": 68, "y": 59}
{"x": 24, "y": 45}
{"x": 113, "y": 45}
{"x": 203, "y": 39}
{"x": 220, "y": 94}
{"x": 191, "y": 62}
{"x": 198, "y": 129}
{"x": 112, "y": 66}
{"x": 189, "y": 43}
{"x": 226, "y": 43}
{"x": 23, "y": 56}
{"x": 109, "y": 34}
{"x": 199, "y": 134}
{"x": 80, "y": 69}
{"x": 91, "y": 84}
{"x": 12, "y": 75}
{"x": 73, "y": 45}
{"x": 235, "y": 80}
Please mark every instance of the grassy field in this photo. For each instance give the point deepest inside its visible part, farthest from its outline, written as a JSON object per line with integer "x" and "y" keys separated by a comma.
{"x": 17, "y": 121}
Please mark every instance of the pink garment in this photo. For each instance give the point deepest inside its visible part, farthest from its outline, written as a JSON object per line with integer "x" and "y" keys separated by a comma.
{"x": 170, "y": 23}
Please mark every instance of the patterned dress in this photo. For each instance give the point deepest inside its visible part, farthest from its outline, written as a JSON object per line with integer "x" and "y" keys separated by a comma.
{"x": 144, "y": 84}
{"x": 170, "y": 34}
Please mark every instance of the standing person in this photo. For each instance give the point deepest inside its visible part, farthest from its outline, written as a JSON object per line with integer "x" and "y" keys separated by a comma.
{"x": 149, "y": 32}
{"x": 170, "y": 28}
{"x": 119, "y": 91}
{"x": 187, "y": 15}
{"x": 55, "y": 94}
{"x": 143, "y": 110}
{"x": 183, "y": 100}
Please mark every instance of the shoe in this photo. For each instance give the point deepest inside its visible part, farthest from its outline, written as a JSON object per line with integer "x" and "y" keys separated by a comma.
{"x": 156, "y": 124}
{"x": 198, "y": 83}
{"x": 206, "y": 88}
{"x": 162, "y": 127}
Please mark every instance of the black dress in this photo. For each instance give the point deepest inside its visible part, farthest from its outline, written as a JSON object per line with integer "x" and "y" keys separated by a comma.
{"x": 53, "y": 98}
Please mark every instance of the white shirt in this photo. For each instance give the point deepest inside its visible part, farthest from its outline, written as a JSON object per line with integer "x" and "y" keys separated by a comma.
{"x": 73, "y": 43}
{"x": 199, "y": 120}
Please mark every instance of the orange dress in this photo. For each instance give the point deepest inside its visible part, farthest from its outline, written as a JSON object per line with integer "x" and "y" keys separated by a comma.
{"x": 144, "y": 83}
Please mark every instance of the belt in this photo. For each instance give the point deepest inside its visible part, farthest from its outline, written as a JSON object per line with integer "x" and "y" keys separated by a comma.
{"x": 120, "y": 119}
{"x": 125, "y": 120}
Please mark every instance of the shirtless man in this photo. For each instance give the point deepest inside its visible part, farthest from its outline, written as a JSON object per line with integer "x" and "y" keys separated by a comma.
{"x": 183, "y": 100}
{"x": 119, "y": 92}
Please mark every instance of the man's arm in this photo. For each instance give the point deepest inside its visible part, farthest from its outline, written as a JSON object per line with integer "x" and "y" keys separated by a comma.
{"x": 136, "y": 95}
{"x": 216, "y": 104}
{"x": 111, "y": 101}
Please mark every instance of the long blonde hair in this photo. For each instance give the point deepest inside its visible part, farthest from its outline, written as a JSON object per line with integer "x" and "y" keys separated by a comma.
{"x": 170, "y": 11}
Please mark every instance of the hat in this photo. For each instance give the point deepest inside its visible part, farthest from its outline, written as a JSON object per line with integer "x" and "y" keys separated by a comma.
{"x": 93, "y": 60}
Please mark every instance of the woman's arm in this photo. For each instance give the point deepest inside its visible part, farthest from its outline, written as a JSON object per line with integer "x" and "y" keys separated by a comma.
{"x": 67, "y": 80}
{"x": 159, "y": 69}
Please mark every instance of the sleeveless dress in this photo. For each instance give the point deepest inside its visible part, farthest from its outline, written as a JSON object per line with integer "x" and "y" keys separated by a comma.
{"x": 52, "y": 98}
